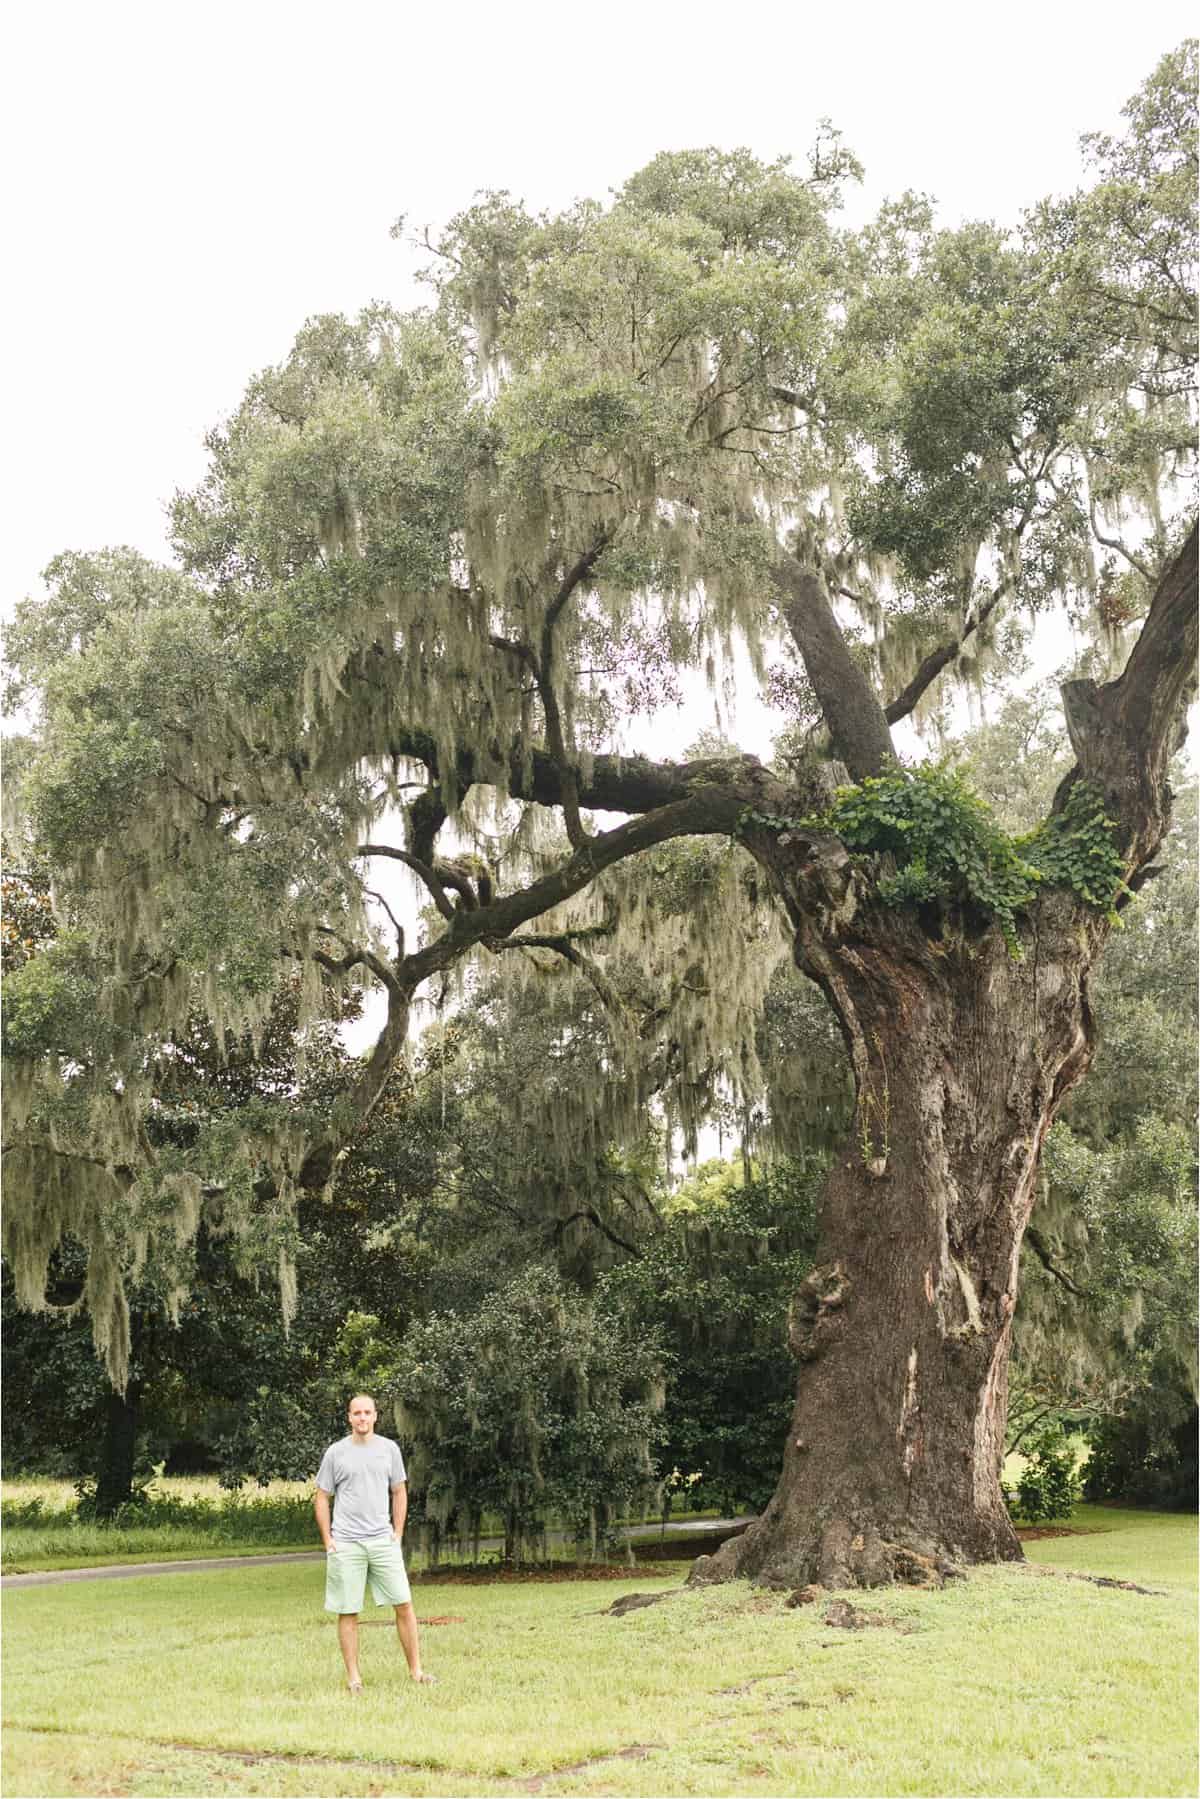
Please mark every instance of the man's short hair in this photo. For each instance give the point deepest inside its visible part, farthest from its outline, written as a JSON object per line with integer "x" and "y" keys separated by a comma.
{"x": 370, "y": 1397}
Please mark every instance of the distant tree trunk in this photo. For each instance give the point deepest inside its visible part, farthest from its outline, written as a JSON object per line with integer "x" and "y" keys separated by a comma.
{"x": 114, "y": 1479}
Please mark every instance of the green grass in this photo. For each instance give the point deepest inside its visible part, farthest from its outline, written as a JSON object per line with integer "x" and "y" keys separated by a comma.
{"x": 1007, "y": 1683}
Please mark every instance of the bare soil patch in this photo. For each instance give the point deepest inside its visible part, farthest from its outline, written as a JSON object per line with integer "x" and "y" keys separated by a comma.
{"x": 1033, "y": 1533}
{"x": 487, "y": 1573}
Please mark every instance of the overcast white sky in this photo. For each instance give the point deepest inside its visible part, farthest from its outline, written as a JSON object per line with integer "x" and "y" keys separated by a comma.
{"x": 188, "y": 182}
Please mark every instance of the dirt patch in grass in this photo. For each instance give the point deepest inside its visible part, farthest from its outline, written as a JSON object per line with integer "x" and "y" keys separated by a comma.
{"x": 1033, "y": 1533}
{"x": 636, "y": 1752}
{"x": 486, "y": 1573}
{"x": 841, "y": 1615}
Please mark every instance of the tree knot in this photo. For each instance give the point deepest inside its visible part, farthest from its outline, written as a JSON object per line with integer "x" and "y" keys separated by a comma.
{"x": 821, "y": 1294}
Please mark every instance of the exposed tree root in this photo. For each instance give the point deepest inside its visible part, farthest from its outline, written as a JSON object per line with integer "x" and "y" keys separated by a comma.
{"x": 635, "y": 1602}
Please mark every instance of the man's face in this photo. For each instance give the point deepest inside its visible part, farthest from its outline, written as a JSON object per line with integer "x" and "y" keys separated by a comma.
{"x": 362, "y": 1417}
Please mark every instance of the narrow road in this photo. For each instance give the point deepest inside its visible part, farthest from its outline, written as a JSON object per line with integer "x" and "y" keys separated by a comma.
{"x": 130, "y": 1570}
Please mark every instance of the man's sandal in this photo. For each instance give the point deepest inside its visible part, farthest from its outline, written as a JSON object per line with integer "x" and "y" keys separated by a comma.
{"x": 424, "y": 1680}
{"x": 354, "y": 1688}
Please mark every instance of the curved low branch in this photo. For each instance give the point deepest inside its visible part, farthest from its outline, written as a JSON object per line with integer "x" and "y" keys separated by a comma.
{"x": 563, "y": 946}
{"x": 707, "y": 810}
{"x": 593, "y": 1217}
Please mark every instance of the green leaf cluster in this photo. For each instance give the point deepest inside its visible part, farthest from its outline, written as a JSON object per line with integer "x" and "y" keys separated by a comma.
{"x": 945, "y": 842}
{"x": 947, "y": 845}
{"x": 1075, "y": 848}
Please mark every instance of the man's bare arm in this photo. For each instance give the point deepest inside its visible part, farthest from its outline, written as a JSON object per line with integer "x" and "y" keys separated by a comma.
{"x": 321, "y": 1510}
{"x": 399, "y": 1508}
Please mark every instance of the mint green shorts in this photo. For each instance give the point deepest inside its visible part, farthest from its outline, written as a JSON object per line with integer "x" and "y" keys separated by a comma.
{"x": 349, "y": 1566}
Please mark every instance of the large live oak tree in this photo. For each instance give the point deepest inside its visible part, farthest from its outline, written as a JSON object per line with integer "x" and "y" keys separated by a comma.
{"x": 441, "y": 557}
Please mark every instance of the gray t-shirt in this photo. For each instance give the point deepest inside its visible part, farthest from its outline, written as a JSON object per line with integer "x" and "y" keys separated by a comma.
{"x": 360, "y": 1477}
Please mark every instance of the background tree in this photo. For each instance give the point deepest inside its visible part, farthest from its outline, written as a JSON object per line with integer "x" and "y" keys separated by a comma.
{"x": 697, "y": 411}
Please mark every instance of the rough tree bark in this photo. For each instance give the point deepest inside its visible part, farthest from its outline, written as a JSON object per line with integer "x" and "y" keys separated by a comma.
{"x": 961, "y": 1057}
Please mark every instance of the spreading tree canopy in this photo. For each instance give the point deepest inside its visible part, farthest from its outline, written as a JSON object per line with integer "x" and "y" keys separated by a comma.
{"x": 441, "y": 562}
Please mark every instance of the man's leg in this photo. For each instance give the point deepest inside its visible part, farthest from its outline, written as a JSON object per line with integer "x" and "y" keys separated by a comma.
{"x": 348, "y": 1643}
{"x": 406, "y": 1630}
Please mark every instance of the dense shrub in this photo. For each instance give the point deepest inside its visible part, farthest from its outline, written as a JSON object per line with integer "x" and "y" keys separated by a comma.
{"x": 1049, "y": 1486}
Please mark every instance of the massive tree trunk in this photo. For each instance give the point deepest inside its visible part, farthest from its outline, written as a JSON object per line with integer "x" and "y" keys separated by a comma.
{"x": 961, "y": 1056}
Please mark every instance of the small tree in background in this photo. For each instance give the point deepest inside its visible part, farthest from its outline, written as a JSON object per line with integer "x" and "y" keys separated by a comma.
{"x": 539, "y": 1402}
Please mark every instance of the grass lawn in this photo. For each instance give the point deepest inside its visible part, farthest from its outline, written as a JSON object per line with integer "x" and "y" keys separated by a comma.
{"x": 1011, "y": 1682}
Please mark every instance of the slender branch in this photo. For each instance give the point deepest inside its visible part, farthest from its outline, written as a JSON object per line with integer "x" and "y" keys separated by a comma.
{"x": 1114, "y": 543}
{"x": 1038, "y": 1245}
{"x": 593, "y": 1217}
{"x": 356, "y": 956}
{"x": 562, "y": 946}
{"x": 440, "y": 898}
{"x": 937, "y": 659}
{"x": 396, "y": 925}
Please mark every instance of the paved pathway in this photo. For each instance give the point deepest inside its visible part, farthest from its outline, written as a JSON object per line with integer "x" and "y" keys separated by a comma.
{"x": 130, "y": 1570}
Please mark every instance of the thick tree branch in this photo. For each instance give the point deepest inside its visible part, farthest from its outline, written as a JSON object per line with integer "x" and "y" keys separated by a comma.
{"x": 1125, "y": 732}
{"x": 855, "y": 719}
{"x": 707, "y": 810}
{"x": 425, "y": 816}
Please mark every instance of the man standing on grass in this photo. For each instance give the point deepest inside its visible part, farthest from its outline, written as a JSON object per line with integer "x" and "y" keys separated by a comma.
{"x": 364, "y": 1477}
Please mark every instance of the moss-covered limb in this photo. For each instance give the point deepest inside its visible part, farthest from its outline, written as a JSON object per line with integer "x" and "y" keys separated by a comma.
{"x": 707, "y": 810}
{"x": 564, "y": 946}
{"x": 939, "y": 659}
{"x": 547, "y": 676}
{"x": 319, "y": 1158}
